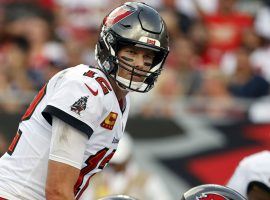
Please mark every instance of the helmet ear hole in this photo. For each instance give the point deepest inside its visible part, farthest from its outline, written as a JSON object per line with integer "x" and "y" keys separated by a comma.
{"x": 111, "y": 39}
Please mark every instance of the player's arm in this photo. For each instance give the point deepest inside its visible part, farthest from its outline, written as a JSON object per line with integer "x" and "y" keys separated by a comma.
{"x": 61, "y": 179}
{"x": 65, "y": 160}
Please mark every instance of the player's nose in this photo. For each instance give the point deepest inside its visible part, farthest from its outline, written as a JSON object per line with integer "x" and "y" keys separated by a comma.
{"x": 139, "y": 62}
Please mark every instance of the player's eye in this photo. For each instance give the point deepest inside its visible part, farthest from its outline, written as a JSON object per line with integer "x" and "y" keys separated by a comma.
{"x": 130, "y": 51}
{"x": 147, "y": 64}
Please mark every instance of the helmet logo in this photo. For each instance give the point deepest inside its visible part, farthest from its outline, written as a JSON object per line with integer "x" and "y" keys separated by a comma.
{"x": 150, "y": 41}
{"x": 116, "y": 15}
{"x": 211, "y": 196}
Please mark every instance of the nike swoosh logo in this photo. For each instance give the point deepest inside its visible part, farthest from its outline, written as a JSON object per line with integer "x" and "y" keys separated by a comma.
{"x": 95, "y": 93}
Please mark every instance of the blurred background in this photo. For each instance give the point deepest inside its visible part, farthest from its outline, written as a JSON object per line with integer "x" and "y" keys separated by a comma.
{"x": 209, "y": 108}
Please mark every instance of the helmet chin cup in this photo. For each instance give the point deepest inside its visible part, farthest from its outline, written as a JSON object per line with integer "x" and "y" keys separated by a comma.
{"x": 127, "y": 84}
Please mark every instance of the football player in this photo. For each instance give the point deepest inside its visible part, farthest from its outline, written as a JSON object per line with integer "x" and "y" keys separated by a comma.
{"x": 251, "y": 178}
{"x": 71, "y": 129}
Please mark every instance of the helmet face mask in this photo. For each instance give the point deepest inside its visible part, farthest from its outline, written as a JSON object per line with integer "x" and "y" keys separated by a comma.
{"x": 132, "y": 24}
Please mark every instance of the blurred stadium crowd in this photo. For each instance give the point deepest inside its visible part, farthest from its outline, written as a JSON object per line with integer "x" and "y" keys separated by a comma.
{"x": 219, "y": 48}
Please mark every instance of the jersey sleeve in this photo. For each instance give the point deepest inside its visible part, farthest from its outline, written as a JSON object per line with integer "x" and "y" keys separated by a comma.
{"x": 61, "y": 149}
{"x": 73, "y": 102}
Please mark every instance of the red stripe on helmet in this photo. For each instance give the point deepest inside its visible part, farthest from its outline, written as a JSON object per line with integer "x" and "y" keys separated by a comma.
{"x": 116, "y": 16}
